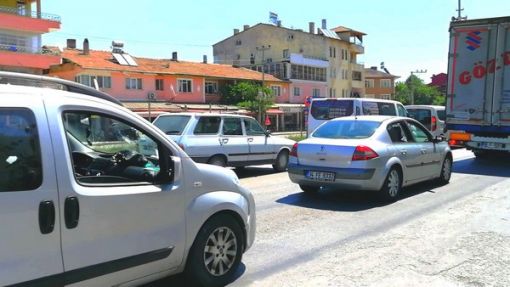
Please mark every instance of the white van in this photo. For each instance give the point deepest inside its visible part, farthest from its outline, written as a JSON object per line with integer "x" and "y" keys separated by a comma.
{"x": 81, "y": 205}
{"x": 324, "y": 109}
{"x": 432, "y": 117}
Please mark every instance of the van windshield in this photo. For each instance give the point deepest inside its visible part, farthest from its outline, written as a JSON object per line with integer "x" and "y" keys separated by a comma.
{"x": 173, "y": 124}
{"x": 330, "y": 109}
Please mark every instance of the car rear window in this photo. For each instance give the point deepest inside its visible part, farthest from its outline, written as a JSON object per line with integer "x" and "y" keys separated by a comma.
{"x": 330, "y": 109}
{"x": 421, "y": 115}
{"x": 378, "y": 108}
{"x": 354, "y": 129}
{"x": 207, "y": 125}
{"x": 441, "y": 114}
{"x": 172, "y": 125}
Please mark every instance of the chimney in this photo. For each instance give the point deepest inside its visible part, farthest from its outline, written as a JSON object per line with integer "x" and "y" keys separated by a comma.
{"x": 174, "y": 56}
{"x": 373, "y": 68}
{"x": 71, "y": 43}
{"x": 311, "y": 27}
{"x": 236, "y": 31}
{"x": 86, "y": 50}
{"x": 324, "y": 24}
{"x": 279, "y": 23}
{"x": 246, "y": 27}
{"x": 204, "y": 59}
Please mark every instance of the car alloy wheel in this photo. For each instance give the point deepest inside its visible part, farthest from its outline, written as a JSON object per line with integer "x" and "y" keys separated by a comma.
{"x": 220, "y": 251}
{"x": 392, "y": 185}
{"x": 282, "y": 161}
{"x": 446, "y": 171}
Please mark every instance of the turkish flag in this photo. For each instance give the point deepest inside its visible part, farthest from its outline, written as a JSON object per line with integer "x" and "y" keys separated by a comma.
{"x": 267, "y": 122}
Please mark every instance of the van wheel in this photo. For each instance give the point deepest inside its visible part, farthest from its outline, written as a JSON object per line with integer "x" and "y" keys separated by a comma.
{"x": 216, "y": 253}
{"x": 392, "y": 185}
{"x": 217, "y": 160}
{"x": 282, "y": 160}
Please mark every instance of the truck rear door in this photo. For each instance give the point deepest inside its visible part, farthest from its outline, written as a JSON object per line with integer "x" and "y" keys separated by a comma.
{"x": 473, "y": 63}
{"x": 501, "y": 104}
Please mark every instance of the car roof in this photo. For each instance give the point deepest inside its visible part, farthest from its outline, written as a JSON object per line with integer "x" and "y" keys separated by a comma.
{"x": 425, "y": 107}
{"x": 370, "y": 118}
{"x": 206, "y": 114}
{"x": 32, "y": 83}
{"x": 355, "y": 99}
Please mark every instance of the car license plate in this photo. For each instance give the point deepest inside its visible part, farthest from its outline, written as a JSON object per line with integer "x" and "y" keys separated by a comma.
{"x": 490, "y": 145}
{"x": 320, "y": 175}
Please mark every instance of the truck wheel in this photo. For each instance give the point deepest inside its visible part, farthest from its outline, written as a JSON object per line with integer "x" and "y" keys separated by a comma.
{"x": 216, "y": 252}
{"x": 282, "y": 160}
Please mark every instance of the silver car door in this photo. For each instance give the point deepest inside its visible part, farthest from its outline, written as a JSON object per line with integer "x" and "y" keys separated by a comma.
{"x": 406, "y": 150}
{"x": 233, "y": 141}
{"x": 261, "y": 146}
{"x": 429, "y": 154}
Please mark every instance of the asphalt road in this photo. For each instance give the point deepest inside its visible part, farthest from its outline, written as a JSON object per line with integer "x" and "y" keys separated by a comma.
{"x": 452, "y": 235}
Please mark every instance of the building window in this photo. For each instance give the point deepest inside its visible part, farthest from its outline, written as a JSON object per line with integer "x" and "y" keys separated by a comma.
{"x": 385, "y": 97}
{"x": 277, "y": 90}
{"x": 103, "y": 82}
{"x": 300, "y": 72}
{"x": 356, "y": 76}
{"x": 159, "y": 85}
{"x": 133, "y": 83}
{"x": 286, "y": 53}
{"x": 316, "y": 93}
{"x": 238, "y": 42}
{"x": 369, "y": 83}
{"x": 211, "y": 87}
{"x": 385, "y": 83}
{"x": 184, "y": 85}
{"x": 297, "y": 91}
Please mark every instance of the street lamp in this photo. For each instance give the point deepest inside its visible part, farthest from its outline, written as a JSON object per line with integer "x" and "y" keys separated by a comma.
{"x": 262, "y": 48}
{"x": 412, "y": 86}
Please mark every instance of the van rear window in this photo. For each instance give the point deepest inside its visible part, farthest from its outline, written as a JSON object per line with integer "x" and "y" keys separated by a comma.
{"x": 330, "y": 109}
{"x": 421, "y": 115}
{"x": 378, "y": 108}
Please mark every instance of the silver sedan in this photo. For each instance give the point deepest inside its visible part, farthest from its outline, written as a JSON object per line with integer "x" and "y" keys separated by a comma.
{"x": 369, "y": 153}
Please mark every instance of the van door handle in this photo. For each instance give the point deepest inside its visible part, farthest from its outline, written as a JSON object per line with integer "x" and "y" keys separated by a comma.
{"x": 46, "y": 216}
{"x": 250, "y": 140}
{"x": 225, "y": 140}
{"x": 403, "y": 152}
{"x": 71, "y": 212}
{"x": 423, "y": 151}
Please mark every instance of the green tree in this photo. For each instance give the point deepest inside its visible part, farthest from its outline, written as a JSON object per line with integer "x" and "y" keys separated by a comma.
{"x": 423, "y": 94}
{"x": 250, "y": 96}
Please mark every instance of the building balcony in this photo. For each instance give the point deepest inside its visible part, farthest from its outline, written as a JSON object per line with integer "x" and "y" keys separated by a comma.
{"x": 28, "y": 21}
{"x": 19, "y": 57}
{"x": 357, "y": 67}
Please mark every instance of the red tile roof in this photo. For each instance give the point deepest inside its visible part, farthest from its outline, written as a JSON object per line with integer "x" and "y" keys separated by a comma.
{"x": 103, "y": 60}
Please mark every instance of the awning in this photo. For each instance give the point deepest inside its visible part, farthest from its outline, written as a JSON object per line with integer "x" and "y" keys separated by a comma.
{"x": 274, "y": 112}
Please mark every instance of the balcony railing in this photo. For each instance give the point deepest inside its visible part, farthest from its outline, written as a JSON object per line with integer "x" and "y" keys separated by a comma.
{"x": 30, "y": 14}
{"x": 28, "y": 50}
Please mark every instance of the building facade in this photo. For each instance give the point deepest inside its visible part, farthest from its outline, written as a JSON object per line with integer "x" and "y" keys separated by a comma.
{"x": 22, "y": 23}
{"x": 379, "y": 84}
{"x": 168, "y": 85}
{"x": 318, "y": 63}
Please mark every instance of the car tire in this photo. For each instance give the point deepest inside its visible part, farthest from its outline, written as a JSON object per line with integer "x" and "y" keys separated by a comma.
{"x": 309, "y": 189}
{"x": 218, "y": 160}
{"x": 446, "y": 171}
{"x": 216, "y": 252}
{"x": 390, "y": 191}
{"x": 282, "y": 160}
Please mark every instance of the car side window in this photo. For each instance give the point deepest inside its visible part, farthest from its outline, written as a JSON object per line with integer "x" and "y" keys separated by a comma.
{"x": 232, "y": 127}
{"x": 253, "y": 128}
{"x": 20, "y": 153}
{"x": 108, "y": 151}
{"x": 419, "y": 133}
{"x": 401, "y": 111}
{"x": 207, "y": 126}
{"x": 397, "y": 133}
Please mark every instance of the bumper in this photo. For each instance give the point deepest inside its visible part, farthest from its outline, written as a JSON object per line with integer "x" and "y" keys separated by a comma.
{"x": 251, "y": 220}
{"x": 345, "y": 178}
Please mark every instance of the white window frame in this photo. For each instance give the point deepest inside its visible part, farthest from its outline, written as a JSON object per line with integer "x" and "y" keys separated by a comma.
{"x": 212, "y": 84}
{"x": 385, "y": 83}
{"x": 297, "y": 91}
{"x": 369, "y": 83}
{"x": 133, "y": 84}
{"x": 277, "y": 90}
{"x": 88, "y": 80}
{"x": 316, "y": 93}
{"x": 385, "y": 97}
{"x": 180, "y": 86}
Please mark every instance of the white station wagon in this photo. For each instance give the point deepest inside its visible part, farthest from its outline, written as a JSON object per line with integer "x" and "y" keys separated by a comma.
{"x": 225, "y": 139}
{"x": 81, "y": 205}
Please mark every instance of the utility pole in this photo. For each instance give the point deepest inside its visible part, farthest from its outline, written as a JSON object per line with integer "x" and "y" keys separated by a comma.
{"x": 459, "y": 15}
{"x": 412, "y": 86}
{"x": 262, "y": 48}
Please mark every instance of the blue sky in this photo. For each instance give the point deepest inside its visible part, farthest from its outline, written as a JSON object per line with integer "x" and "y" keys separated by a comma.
{"x": 406, "y": 35}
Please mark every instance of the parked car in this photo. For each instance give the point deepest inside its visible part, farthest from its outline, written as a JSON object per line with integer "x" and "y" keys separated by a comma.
{"x": 225, "y": 139}
{"x": 84, "y": 206}
{"x": 432, "y": 117}
{"x": 369, "y": 153}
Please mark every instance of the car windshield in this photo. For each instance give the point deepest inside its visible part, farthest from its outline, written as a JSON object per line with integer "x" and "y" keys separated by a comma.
{"x": 172, "y": 125}
{"x": 354, "y": 129}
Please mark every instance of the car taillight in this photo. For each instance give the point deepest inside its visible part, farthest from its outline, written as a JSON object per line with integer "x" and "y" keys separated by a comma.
{"x": 434, "y": 123}
{"x": 293, "y": 152}
{"x": 363, "y": 153}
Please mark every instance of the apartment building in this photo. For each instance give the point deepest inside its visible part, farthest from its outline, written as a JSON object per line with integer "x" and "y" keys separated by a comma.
{"x": 379, "y": 84}
{"x": 22, "y": 23}
{"x": 319, "y": 63}
{"x": 168, "y": 85}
